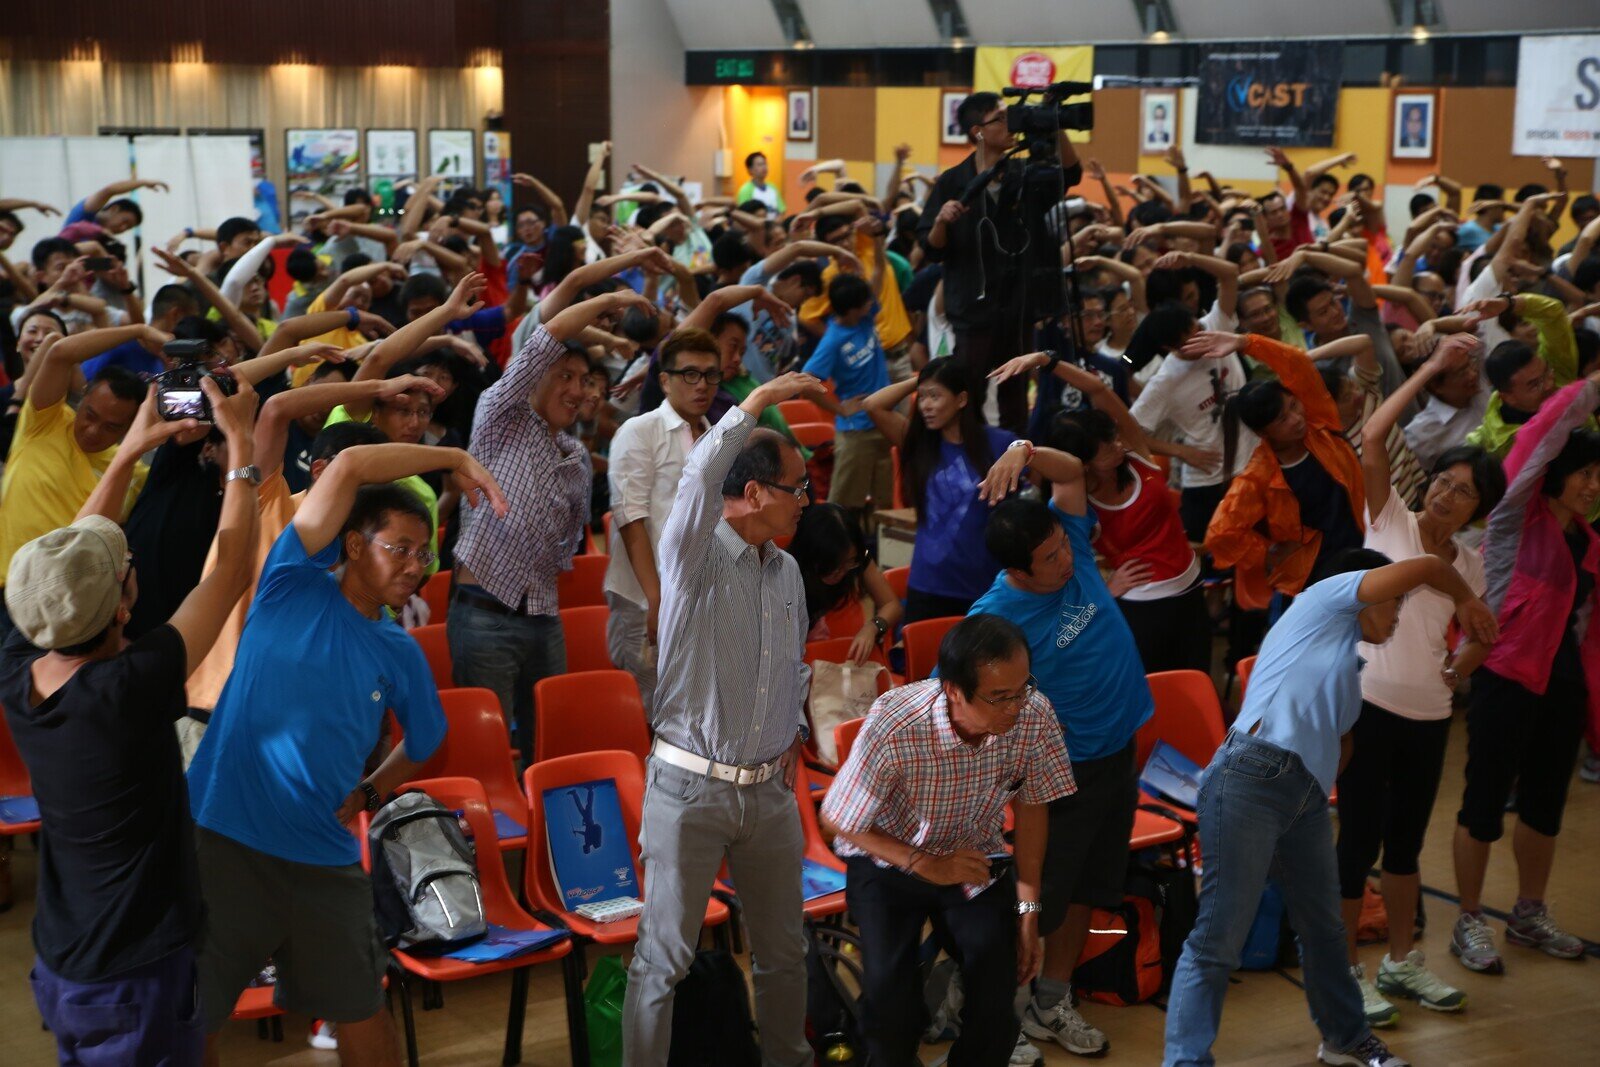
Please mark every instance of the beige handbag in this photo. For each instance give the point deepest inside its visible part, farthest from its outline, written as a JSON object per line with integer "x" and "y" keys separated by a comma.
{"x": 839, "y": 692}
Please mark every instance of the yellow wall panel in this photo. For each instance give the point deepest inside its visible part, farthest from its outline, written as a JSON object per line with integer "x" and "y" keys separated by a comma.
{"x": 755, "y": 120}
{"x": 908, "y": 116}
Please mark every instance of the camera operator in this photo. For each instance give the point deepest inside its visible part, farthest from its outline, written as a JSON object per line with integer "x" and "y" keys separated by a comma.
{"x": 982, "y": 291}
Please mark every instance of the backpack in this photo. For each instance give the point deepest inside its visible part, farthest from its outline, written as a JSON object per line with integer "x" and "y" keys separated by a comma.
{"x": 1121, "y": 961}
{"x": 1172, "y": 886}
{"x": 1269, "y": 940}
{"x": 424, "y": 874}
{"x": 833, "y": 1009}
{"x": 712, "y": 1024}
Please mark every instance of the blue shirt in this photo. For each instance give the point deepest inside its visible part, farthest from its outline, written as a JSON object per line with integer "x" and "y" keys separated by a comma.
{"x": 853, "y": 358}
{"x": 1305, "y": 691}
{"x": 79, "y": 213}
{"x": 130, "y": 355}
{"x": 1470, "y": 236}
{"x": 487, "y": 325}
{"x": 768, "y": 345}
{"x": 302, "y": 711}
{"x": 1084, "y": 658}
{"x": 950, "y": 557}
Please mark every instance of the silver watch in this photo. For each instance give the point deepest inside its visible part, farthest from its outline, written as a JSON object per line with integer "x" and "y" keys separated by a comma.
{"x": 1029, "y": 907}
{"x": 251, "y": 474}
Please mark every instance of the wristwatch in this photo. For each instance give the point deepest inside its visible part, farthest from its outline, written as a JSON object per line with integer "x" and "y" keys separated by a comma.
{"x": 251, "y": 474}
{"x": 1029, "y": 907}
{"x": 881, "y": 626}
{"x": 374, "y": 801}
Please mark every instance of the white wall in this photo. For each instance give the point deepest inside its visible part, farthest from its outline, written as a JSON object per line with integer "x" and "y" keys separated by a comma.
{"x": 656, "y": 119}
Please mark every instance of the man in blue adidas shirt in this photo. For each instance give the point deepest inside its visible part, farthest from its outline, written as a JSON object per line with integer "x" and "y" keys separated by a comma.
{"x": 1085, "y": 661}
{"x": 850, "y": 356}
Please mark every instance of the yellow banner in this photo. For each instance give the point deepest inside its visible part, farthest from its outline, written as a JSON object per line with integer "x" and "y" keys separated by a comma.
{"x": 1007, "y": 68}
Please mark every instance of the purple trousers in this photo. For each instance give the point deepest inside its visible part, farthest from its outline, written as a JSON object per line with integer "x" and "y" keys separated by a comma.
{"x": 146, "y": 1017}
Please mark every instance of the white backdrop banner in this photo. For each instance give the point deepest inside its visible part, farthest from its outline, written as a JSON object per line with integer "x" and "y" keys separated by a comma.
{"x": 1558, "y": 97}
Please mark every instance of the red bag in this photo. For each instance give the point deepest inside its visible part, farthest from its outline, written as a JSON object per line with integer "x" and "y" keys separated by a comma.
{"x": 1121, "y": 961}
{"x": 1374, "y": 925}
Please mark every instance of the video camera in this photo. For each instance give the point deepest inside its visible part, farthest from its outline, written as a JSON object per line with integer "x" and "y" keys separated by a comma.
{"x": 178, "y": 392}
{"x": 1040, "y": 123}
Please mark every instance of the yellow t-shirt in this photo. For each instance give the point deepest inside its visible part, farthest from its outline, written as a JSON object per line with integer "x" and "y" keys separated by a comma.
{"x": 893, "y": 324}
{"x": 48, "y": 477}
{"x": 344, "y": 337}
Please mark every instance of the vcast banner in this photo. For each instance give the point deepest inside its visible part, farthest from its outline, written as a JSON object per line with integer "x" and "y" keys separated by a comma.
{"x": 1267, "y": 93}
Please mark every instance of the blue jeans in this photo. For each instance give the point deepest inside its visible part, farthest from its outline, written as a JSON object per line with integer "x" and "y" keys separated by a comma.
{"x": 508, "y": 654}
{"x": 1261, "y": 812}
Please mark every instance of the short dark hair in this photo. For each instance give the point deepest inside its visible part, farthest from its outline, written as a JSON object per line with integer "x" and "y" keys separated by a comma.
{"x": 357, "y": 195}
{"x": 174, "y": 297}
{"x": 1015, "y": 529}
{"x": 354, "y": 260}
{"x": 1488, "y": 477}
{"x": 46, "y": 247}
{"x": 1586, "y": 275}
{"x": 640, "y": 326}
{"x": 1531, "y": 189}
{"x": 731, "y": 251}
{"x": 123, "y": 383}
{"x": 1421, "y": 202}
{"x": 199, "y": 328}
{"x": 977, "y": 640}
{"x": 808, "y": 272}
{"x": 725, "y": 320}
{"x": 1582, "y": 449}
{"x": 13, "y": 218}
{"x": 334, "y": 370}
{"x": 424, "y": 286}
{"x": 373, "y": 506}
{"x": 1301, "y": 292}
{"x": 752, "y": 206}
{"x": 971, "y": 111}
{"x": 1507, "y": 358}
{"x": 847, "y": 292}
{"x": 1490, "y": 191}
{"x": 1325, "y": 179}
{"x": 456, "y": 243}
{"x": 760, "y": 460}
{"x": 331, "y": 440}
{"x": 828, "y": 225}
{"x": 1347, "y": 560}
{"x": 130, "y": 206}
{"x": 235, "y": 226}
{"x": 1149, "y": 213}
{"x": 1161, "y": 331}
{"x": 1360, "y": 179}
{"x": 1587, "y": 204}
{"x": 690, "y": 340}
{"x": 301, "y": 263}
{"x": 750, "y": 160}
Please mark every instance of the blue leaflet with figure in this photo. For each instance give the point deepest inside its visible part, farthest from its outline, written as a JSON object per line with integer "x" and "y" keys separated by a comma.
{"x": 502, "y": 943}
{"x": 818, "y": 881}
{"x": 1170, "y": 774}
{"x": 589, "y": 852}
{"x": 18, "y": 810}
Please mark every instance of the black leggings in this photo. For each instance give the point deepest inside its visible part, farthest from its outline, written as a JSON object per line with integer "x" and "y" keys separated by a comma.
{"x": 1514, "y": 736}
{"x": 1173, "y": 633}
{"x": 1386, "y": 793}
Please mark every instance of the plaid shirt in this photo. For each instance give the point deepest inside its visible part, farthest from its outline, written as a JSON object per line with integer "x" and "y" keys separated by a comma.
{"x": 910, "y": 776}
{"x": 546, "y": 479}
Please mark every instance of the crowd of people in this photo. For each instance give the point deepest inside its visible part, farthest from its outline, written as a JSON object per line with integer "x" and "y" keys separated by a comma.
{"x": 1262, "y": 423}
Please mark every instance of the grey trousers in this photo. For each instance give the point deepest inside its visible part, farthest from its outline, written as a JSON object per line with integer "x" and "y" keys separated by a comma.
{"x": 690, "y": 824}
{"x": 626, "y": 629}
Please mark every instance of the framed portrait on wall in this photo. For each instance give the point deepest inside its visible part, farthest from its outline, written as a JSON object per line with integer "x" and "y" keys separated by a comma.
{"x": 1416, "y": 120}
{"x": 1158, "y": 128}
{"x": 802, "y": 119}
{"x": 950, "y": 131}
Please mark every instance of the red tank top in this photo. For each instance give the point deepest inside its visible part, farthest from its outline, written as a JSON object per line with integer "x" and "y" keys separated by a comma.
{"x": 1145, "y": 526}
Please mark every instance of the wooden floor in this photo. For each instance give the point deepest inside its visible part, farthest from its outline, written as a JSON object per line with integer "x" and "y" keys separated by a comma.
{"x": 1541, "y": 1011}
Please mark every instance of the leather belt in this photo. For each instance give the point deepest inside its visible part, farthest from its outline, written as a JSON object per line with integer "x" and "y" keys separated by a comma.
{"x": 477, "y": 597}
{"x": 726, "y": 772}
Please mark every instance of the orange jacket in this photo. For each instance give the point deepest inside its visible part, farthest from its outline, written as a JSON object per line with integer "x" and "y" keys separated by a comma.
{"x": 1260, "y": 509}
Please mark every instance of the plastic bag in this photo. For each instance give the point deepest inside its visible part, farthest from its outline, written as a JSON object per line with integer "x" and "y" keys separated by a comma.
{"x": 602, "y": 1010}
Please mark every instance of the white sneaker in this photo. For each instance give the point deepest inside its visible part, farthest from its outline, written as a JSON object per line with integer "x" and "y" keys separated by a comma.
{"x": 1409, "y": 978}
{"x": 1025, "y": 1055}
{"x": 945, "y": 1018}
{"x": 324, "y": 1035}
{"x": 1370, "y": 1053}
{"x": 1379, "y": 1012}
{"x": 1065, "y": 1027}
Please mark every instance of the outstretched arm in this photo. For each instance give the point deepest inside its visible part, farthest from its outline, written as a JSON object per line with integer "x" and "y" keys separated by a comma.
{"x": 104, "y": 195}
{"x": 558, "y": 210}
{"x": 1397, "y": 579}
{"x": 1063, "y": 471}
{"x": 272, "y": 429}
{"x": 54, "y": 377}
{"x": 408, "y": 338}
{"x": 591, "y": 184}
{"x": 238, "y": 323}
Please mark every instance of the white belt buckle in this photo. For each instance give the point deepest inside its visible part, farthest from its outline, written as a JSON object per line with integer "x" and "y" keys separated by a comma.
{"x": 743, "y": 776}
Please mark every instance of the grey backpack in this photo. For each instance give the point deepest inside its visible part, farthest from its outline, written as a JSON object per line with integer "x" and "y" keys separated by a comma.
{"x": 424, "y": 874}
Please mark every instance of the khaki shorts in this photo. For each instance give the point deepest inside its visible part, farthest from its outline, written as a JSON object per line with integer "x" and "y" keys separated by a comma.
{"x": 315, "y": 923}
{"x": 899, "y": 360}
{"x": 862, "y": 469}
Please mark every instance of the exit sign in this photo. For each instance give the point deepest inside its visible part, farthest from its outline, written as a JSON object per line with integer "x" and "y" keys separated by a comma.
{"x": 734, "y": 68}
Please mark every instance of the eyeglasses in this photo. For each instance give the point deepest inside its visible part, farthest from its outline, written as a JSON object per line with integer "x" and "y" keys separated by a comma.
{"x": 694, "y": 376}
{"x": 1466, "y": 493}
{"x": 799, "y": 492}
{"x": 404, "y": 553}
{"x": 1016, "y": 702}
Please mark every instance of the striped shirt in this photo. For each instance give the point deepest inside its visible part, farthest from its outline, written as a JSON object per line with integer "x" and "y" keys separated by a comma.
{"x": 732, "y": 630}
{"x": 911, "y": 776}
{"x": 546, "y": 479}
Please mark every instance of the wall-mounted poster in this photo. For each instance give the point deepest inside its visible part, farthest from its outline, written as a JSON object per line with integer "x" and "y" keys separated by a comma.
{"x": 452, "y": 156}
{"x": 497, "y": 165}
{"x": 391, "y": 163}
{"x": 320, "y": 162}
{"x": 1272, "y": 94}
{"x": 1415, "y": 119}
{"x": 950, "y": 131}
{"x": 1558, "y": 97}
{"x": 802, "y": 124}
{"x": 1159, "y": 130}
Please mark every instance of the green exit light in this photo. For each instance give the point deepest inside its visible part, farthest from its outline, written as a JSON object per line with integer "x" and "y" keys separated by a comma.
{"x": 735, "y": 68}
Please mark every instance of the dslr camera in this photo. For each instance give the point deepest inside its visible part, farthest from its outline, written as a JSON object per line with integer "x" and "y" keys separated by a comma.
{"x": 178, "y": 392}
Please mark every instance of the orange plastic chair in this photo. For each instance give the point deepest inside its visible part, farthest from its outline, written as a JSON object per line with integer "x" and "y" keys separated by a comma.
{"x": 584, "y": 585}
{"x": 14, "y": 780}
{"x": 899, "y": 488}
{"x": 844, "y": 737}
{"x": 817, "y": 850}
{"x": 1244, "y": 668}
{"x": 837, "y": 650}
{"x": 476, "y": 745}
{"x": 436, "y": 592}
{"x": 1188, "y": 717}
{"x": 899, "y": 579}
{"x": 588, "y": 711}
{"x": 802, "y": 410}
{"x": 436, "y": 646}
{"x": 627, "y": 770}
{"x": 812, "y": 434}
{"x": 605, "y": 524}
{"x": 1150, "y": 829}
{"x": 922, "y": 645}
{"x": 500, "y": 907}
{"x": 585, "y": 632}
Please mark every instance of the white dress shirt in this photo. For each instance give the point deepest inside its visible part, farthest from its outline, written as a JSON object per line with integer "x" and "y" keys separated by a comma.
{"x": 645, "y": 464}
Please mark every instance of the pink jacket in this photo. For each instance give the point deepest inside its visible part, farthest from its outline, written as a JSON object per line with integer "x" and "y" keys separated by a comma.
{"x": 1527, "y": 564}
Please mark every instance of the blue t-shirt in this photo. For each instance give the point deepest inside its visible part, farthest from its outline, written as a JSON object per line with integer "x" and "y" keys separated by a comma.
{"x": 130, "y": 355}
{"x": 1305, "y": 691}
{"x": 487, "y": 325}
{"x": 79, "y": 213}
{"x": 1470, "y": 236}
{"x": 768, "y": 345}
{"x": 853, "y": 358}
{"x": 302, "y": 711}
{"x": 950, "y": 558}
{"x": 1084, "y": 658}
